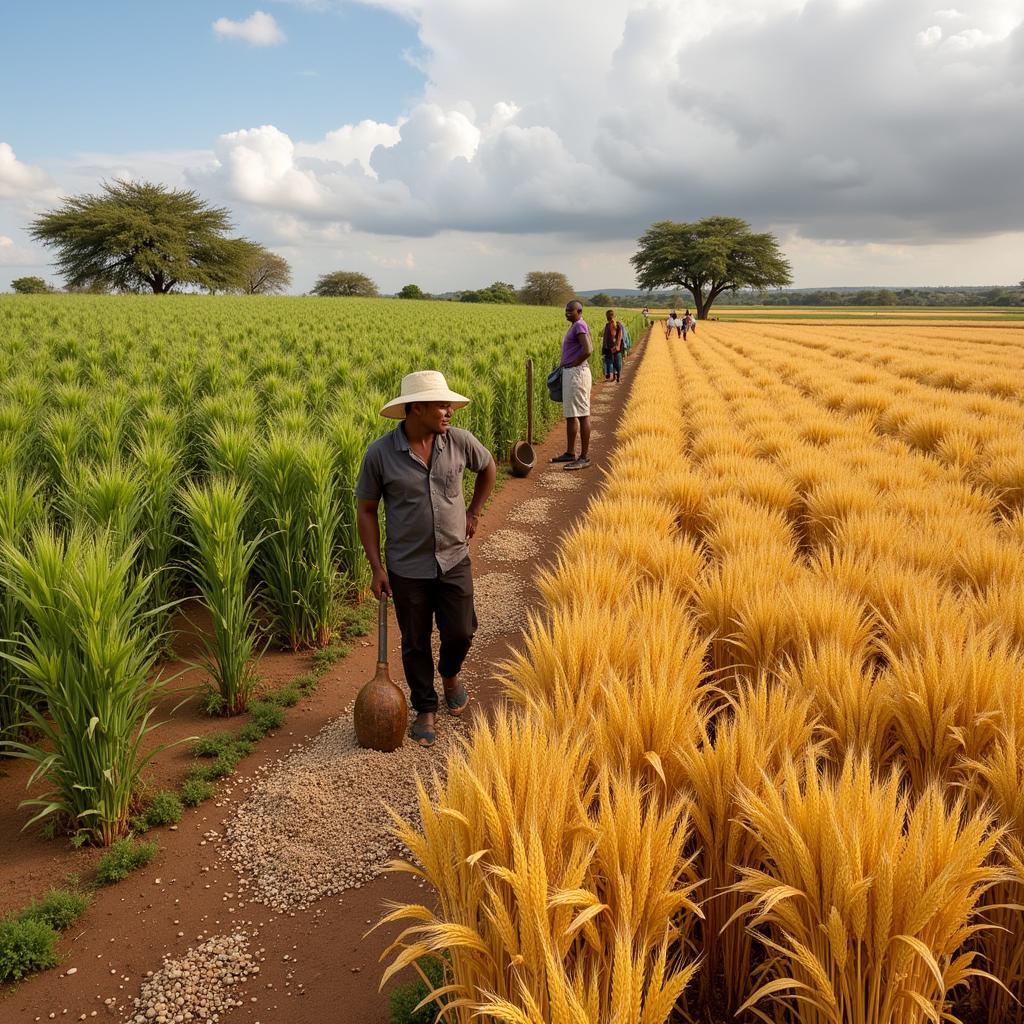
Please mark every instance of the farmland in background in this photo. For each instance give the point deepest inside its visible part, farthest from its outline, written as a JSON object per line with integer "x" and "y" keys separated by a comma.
{"x": 772, "y": 710}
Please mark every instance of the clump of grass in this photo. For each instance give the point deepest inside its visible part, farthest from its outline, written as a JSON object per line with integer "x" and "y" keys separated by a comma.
{"x": 196, "y": 791}
{"x": 59, "y": 909}
{"x": 327, "y": 656}
{"x": 285, "y": 697}
{"x": 356, "y": 619}
{"x": 87, "y": 662}
{"x": 164, "y": 809}
{"x": 25, "y": 946}
{"x": 213, "y": 745}
{"x": 305, "y": 684}
{"x": 124, "y": 857}
{"x": 223, "y": 562}
{"x": 266, "y": 717}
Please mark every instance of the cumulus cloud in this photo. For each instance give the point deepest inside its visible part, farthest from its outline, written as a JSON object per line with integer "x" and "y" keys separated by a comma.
{"x": 18, "y": 180}
{"x": 259, "y": 29}
{"x": 857, "y": 120}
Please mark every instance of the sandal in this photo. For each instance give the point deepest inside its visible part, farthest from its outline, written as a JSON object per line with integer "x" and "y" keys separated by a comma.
{"x": 423, "y": 735}
{"x": 456, "y": 699}
{"x": 564, "y": 457}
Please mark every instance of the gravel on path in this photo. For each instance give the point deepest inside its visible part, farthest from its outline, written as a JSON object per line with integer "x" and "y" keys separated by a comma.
{"x": 199, "y": 985}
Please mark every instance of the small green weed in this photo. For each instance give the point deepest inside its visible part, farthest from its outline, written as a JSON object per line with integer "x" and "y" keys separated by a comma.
{"x": 265, "y": 716}
{"x": 25, "y": 946}
{"x": 213, "y": 703}
{"x": 404, "y": 998}
{"x": 124, "y": 857}
{"x": 213, "y": 745}
{"x": 164, "y": 809}
{"x": 59, "y": 908}
{"x": 327, "y": 656}
{"x": 306, "y": 684}
{"x": 286, "y": 697}
{"x": 195, "y": 791}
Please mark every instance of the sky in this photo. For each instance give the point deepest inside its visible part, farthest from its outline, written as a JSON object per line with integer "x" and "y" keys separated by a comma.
{"x": 453, "y": 143}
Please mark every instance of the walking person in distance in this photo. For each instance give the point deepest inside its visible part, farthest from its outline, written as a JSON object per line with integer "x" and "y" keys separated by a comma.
{"x": 417, "y": 469}
{"x": 576, "y": 383}
{"x": 611, "y": 346}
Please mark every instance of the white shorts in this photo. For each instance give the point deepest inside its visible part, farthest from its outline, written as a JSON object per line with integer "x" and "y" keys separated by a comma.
{"x": 576, "y": 383}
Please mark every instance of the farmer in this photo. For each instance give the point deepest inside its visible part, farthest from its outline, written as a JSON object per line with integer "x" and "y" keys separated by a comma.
{"x": 611, "y": 346}
{"x": 576, "y": 383}
{"x": 417, "y": 468}
{"x": 689, "y": 324}
{"x": 646, "y": 315}
{"x": 673, "y": 321}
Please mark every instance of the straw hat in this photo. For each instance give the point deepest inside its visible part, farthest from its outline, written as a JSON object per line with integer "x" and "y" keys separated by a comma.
{"x": 423, "y": 386}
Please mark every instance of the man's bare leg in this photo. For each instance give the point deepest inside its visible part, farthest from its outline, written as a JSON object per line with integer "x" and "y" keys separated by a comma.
{"x": 584, "y": 436}
{"x": 571, "y": 428}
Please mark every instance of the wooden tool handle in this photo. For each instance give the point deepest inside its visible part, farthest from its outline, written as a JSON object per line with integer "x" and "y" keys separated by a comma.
{"x": 382, "y": 630}
{"x": 529, "y": 402}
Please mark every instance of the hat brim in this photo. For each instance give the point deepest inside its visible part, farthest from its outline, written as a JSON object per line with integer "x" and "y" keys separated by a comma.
{"x": 395, "y": 409}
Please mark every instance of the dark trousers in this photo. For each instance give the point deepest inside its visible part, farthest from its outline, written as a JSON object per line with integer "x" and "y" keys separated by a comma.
{"x": 448, "y": 598}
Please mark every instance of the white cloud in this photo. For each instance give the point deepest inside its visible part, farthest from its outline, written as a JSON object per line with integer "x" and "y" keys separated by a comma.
{"x": 259, "y": 29}
{"x": 18, "y": 180}
{"x": 548, "y": 130}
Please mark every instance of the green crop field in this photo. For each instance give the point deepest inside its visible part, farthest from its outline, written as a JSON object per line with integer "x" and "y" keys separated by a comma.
{"x": 154, "y": 447}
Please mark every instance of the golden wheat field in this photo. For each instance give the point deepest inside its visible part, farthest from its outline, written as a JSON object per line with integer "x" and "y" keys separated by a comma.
{"x": 763, "y": 751}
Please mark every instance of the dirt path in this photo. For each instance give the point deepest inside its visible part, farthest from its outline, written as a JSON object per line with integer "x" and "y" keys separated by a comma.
{"x": 314, "y": 963}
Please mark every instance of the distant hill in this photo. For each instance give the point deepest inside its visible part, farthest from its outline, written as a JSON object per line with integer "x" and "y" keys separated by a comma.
{"x": 611, "y": 291}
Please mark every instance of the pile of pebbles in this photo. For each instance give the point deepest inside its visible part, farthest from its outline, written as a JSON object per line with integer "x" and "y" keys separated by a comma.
{"x": 536, "y": 510}
{"x": 510, "y": 546}
{"x": 500, "y": 606}
{"x": 318, "y": 822}
{"x": 198, "y": 985}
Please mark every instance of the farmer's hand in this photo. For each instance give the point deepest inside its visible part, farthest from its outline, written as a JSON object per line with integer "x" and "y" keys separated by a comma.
{"x": 380, "y": 583}
{"x": 472, "y": 524}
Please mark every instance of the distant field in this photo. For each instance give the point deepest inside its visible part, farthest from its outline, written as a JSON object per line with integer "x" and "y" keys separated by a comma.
{"x": 865, "y": 314}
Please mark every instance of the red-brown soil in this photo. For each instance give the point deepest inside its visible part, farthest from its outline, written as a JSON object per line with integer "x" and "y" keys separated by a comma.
{"x": 333, "y": 971}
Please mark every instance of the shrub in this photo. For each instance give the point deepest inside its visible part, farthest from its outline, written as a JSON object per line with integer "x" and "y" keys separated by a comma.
{"x": 405, "y": 998}
{"x": 164, "y": 809}
{"x": 265, "y": 717}
{"x": 286, "y": 697}
{"x": 59, "y": 908}
{"x": 195, "y": 791}
{"x": 25, "y": 946}
{"x": 213, "y": 745}
{"x": 124, "y": 857}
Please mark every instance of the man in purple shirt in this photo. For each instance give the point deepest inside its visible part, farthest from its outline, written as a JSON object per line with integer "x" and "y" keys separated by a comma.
{"x": 576, "y": 383}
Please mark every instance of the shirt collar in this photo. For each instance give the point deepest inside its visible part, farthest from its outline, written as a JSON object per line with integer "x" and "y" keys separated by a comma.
{"x": 402, "y": 441}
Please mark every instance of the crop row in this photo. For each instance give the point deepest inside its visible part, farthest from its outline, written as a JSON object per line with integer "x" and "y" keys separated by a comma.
{"x": 764, "y": 748}
{"x": 158, "y": 448}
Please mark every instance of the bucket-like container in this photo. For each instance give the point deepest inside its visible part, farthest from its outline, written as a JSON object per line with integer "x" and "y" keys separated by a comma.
{"x": 522, "y": 457}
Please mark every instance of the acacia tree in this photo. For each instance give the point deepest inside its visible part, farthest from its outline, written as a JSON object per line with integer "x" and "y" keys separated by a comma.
{"x": 345, "y": 283}
{"x": 30, "y": 286}
{"x": 139, "y": 235}
{"x": 546, "y": 288}
{"x": 265, "y": 273}
{"x": 711, "y": 256}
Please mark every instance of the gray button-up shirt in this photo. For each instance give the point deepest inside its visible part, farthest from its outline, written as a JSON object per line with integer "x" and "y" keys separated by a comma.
{"x": 424, "y": 510}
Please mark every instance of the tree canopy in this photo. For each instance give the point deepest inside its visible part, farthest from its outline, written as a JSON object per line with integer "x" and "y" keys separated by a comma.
{"x": 139, "y": 235}
{"x": 411, "y": 291}
{"x": 499, "y": 292}
{"x": 546, "y": 288}
{"x": 30, "y": 285}
{"x": 265, "y": 272}
{"x": 709, "y": 257}
{"x": 345, "y": 283}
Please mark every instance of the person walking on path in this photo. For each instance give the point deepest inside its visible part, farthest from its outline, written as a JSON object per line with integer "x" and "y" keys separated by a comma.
{"x": 417, "y": 469}
{"x": 576, "y": 384}
{"x": 675, "y": 322}
{"x": 611, "y": 346}
{"x": 647, "y": 315}
{"x": 689, "y": 324}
